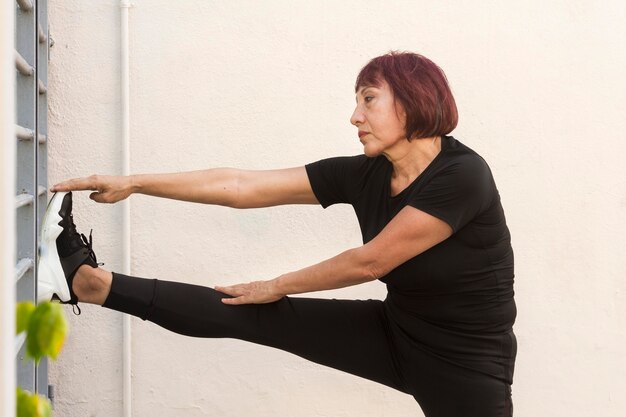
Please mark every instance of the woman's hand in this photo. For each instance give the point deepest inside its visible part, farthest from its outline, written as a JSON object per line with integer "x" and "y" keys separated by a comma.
{"x": 257, "y": 292}
{"x": 108, "y": 189}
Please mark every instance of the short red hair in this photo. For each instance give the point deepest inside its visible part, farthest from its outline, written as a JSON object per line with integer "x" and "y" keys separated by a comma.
{"x": 420, "y": 86}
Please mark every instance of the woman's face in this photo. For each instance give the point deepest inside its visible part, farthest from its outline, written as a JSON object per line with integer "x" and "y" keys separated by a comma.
{"x": 380, "y": 120}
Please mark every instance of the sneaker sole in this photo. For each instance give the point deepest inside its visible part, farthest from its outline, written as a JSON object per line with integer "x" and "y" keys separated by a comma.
{"x": 50, "y": 276}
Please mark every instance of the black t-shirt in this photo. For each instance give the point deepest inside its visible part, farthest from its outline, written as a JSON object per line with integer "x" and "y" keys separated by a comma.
{"x": 455, "y": 299}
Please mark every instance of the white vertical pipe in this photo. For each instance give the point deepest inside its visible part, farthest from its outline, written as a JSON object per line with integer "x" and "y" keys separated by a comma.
{"x": 7, "y": 211}
{"x": 127, "y": 347}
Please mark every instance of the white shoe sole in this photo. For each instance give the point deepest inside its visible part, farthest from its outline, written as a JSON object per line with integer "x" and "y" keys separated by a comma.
{"x": 50, "y": 276}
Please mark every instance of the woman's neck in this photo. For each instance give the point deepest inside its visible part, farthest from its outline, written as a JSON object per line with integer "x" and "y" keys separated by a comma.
{"x": 411, "y": 158}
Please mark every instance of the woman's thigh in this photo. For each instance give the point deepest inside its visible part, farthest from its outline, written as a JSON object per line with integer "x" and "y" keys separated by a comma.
{"x": 444, "y": 389}
{"x": 348, "y": 335}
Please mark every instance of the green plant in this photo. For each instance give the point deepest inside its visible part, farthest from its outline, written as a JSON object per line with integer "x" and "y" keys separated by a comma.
{"x": 46, "y": 327}
{"x": 32, "y": 405}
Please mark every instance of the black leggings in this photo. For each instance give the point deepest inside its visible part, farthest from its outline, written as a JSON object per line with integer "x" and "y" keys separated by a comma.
{"x": 349, "y": 335}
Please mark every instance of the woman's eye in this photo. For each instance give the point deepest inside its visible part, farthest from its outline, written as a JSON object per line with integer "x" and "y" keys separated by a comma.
{"x": 368, "y": 99}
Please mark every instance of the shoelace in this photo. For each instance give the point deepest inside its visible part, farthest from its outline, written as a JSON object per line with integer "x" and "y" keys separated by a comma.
{"x": 89, "y": 244}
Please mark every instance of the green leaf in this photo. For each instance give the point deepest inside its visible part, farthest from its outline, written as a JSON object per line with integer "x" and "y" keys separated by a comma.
{"x": 32, "y": 405}
{"x": 23, "y": 311}
{"x": 47, "y": 329}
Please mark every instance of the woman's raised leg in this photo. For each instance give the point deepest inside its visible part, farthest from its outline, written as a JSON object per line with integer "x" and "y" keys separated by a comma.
{"x": 348, "y": 335}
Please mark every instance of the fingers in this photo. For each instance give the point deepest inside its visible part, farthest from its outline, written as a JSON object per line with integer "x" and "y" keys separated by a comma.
{"x": 229, "y": 291}
{"x": 252, "y": 293}
{"x": 107, "y": 189}
{"x": 235, "y": 291}
{"x": 76, "y": 184}
{"x": 97, "y": 197}
{"x": 236, "y": 301}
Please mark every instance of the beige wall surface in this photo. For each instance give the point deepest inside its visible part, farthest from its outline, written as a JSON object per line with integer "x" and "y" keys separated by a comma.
{"x": 540, "y": 89}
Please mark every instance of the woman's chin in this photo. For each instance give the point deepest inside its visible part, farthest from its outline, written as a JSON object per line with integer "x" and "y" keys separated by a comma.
{"x": 371, "y": 153}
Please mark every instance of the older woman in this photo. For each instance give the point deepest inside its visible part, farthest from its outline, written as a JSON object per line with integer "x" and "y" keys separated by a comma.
{"x": 433, "y": 231}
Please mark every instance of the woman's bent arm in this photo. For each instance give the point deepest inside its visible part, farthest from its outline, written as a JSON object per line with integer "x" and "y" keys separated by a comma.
{"x": 407, "y": 235}
{"x": 222, "y": 186}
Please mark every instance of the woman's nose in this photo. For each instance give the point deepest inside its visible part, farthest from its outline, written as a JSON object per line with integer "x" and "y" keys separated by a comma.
{"x": 357, "y": 117}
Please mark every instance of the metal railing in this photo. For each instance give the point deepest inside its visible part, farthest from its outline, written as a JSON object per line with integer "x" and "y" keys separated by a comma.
{"x": 31, "y": 63}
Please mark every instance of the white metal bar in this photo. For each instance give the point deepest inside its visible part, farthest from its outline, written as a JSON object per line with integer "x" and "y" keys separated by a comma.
{"x": 41, "y": 87}
{"x": 22, "y": 200}
{"x": 41, "y": 34}
{"x": 25, "y": 5}
{"x": 19, "y": 342}
{"x": 23, "y": 266}
{"x": 23, "y": 133}
{"x": 127, "y": 367}
{"x": 41, "y": 190}
{"x": 22, "y": 65}
{"x": 7, "y": 214}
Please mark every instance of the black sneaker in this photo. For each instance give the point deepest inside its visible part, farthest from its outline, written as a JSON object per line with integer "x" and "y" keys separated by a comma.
{"x": 62, "y": 251}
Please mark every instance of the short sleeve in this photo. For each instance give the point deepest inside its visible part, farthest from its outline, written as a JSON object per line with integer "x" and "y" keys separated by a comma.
{"x": 458, "y": 193}
{"x": 335, "y": 180}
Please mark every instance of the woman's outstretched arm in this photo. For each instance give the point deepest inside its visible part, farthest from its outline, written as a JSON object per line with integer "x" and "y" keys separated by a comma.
{"x": 221, "y": 186}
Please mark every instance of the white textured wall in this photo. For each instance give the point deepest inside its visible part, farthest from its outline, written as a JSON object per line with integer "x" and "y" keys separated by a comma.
{"x": 540, "y": 88}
